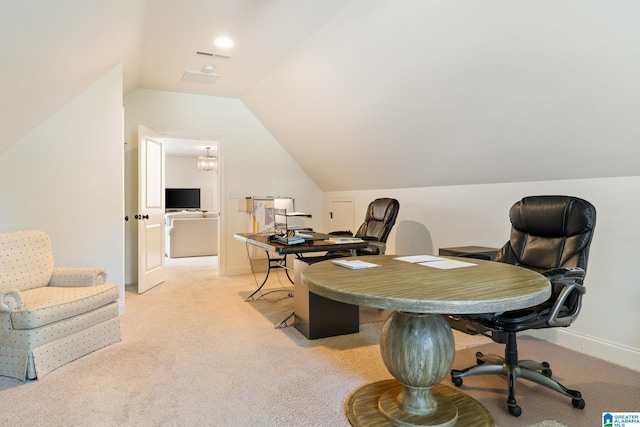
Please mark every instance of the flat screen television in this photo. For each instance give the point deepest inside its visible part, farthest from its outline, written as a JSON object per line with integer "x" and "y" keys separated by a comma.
{"x": 182, "y": 198}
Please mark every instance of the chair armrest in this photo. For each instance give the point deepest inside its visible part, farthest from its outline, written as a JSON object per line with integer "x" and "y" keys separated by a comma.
{"x": 558, "y": 273}
{"x": 70, "y": 277}
{"x": 380, "y": 246}
{"x": 571, "y": 280}
{"x": 341, "y": 233}
{"x": 10, "y": 299}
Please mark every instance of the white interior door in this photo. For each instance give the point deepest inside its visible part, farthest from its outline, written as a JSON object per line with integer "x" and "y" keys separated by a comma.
{"x": 341, "y": 216}
{"x": 150, "y": 215}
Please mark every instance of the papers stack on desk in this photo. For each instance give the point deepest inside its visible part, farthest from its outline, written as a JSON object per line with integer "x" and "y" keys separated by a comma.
{"x": 288, "y": 240}
{"x": 303, "y": 235}
{"x": 355, "y": 264}
{"x": 344, "y": 240}
{"x": 435, "y": 262}
{"x": 285, "y": 232}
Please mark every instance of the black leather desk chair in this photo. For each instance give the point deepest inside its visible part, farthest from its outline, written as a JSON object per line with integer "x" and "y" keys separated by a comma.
{"x": 378, "y": 221}
{"x": 551, "y": 235}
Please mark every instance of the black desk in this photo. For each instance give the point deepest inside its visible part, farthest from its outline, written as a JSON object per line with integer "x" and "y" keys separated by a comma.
{"x": 317, "y": 244}
{"x": 320, "y": 317}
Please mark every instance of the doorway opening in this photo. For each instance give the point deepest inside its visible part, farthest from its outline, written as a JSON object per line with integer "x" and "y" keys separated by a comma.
{"x": 195, "y": 242}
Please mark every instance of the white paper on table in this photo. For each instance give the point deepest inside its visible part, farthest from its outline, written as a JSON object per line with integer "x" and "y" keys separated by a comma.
{"x": 416, "y": 259}
{"x": 447, "y": 264}
{"x": 355, "y": 264}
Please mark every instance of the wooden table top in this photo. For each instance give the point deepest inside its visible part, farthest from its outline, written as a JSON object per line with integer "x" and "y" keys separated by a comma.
{"x": 403, "y": 286}
{"x": 318, "y": 245}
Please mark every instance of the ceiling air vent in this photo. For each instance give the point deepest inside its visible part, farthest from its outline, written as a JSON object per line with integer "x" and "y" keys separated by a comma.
{"x": 212, "y": 55}
{"x": 198, "y": 77}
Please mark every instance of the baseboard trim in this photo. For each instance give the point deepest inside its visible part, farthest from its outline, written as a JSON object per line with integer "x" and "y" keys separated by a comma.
{"x": 609, "y": 351}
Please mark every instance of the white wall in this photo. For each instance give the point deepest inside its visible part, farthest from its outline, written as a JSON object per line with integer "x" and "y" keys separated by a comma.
{"x": 435, "y": 217}
{"x": 251, "y": 160}
{"x": 66, "y": 178}
{"x": 431, "y": 93}
{"x": 253, "y": 163}
{"x": 182, "y": 172}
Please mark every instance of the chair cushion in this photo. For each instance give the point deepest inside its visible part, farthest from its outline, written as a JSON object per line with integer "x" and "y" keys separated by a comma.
{"x": 50, "y": 304}
{"x": 26, "y": 260}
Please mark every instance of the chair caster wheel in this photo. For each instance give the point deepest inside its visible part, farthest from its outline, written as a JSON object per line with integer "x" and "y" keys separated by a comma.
{"x": 478, "y": 356}
{"x": 457, "y": 381}
{"x": 546, "y": 372}
{"x": 515, "y": 410}
{"x": 578, "y": 403}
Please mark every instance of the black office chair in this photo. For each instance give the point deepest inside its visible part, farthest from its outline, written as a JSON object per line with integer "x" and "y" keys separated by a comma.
{"x": 551, "y": 235}
{"x": 378, "y": 221}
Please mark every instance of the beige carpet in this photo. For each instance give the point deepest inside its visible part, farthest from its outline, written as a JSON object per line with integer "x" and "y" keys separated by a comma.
{"x": 194, "y": 354}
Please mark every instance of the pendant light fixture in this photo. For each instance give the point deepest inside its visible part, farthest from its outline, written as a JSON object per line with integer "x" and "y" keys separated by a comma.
{"x": 208, "y": 163}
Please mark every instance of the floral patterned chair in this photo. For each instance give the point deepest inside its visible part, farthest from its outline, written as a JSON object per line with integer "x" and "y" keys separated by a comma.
{"x": 49, "y": 315}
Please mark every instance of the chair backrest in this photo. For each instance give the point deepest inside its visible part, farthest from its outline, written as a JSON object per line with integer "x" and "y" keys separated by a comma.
{"x": 379, "y": 220}
{"x": 26, "y": 259}
{"x": 549, "y": 232}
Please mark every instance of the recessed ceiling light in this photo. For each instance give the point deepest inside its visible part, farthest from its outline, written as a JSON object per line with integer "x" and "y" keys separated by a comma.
{"x": 224, "y": 42}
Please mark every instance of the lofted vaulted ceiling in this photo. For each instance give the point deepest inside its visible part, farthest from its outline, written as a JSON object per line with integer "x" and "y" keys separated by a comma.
{"x": 363, "y": 94}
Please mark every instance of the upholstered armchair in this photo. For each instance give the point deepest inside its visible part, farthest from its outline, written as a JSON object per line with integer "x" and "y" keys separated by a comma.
{"x": 49, "y": 315}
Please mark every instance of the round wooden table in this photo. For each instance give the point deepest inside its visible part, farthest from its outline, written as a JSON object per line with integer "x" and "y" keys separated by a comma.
{"x": 416, "y": 342}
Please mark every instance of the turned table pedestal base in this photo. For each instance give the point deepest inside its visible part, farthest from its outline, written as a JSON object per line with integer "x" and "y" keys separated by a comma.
{"x": 363, "y": 409}
{"x": 416, "y": 342}
{"x": 418, "y": 350}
